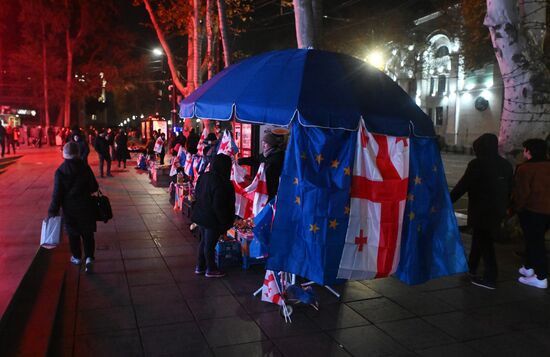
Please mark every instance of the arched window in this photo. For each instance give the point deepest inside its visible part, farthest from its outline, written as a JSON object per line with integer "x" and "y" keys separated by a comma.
{"x": 442, "y": 52}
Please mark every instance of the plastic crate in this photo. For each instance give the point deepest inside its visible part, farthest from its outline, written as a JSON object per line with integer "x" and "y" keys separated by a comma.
{"x": 228, "y": 254}
{"x": 250, "y": 250}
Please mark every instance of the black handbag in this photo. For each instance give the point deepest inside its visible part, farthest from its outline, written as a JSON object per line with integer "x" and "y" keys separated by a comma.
{"x": 102, "y": 204}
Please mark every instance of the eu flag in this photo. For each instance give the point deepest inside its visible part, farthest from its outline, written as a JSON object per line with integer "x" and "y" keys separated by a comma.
{"x": 430, "y": 243}
{"x": 312, "y": 208}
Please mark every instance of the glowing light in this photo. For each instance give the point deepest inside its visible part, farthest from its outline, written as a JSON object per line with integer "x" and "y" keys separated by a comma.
{"x": 169, "y": 122}
{"x": 157, "y": 51}
{"x": 376, "y": 59}
{"x": 486, "y": 94}
{"x": 470, "y": 86}
{"x": 411, "y": 47}
{"x": 489, "y": 83}
{"x": 466, "y": 97}
{"x": 33, "y": 113}
{"x": 418, "y": 101}
{"x": 142, "y": 116}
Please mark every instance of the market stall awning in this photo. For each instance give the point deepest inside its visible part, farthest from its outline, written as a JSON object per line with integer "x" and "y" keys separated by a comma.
{"x": 317, "y": 88}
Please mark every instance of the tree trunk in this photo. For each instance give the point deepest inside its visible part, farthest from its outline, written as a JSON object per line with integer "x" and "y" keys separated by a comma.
{"x": 224, "y": 32}
{"x": 166, "y": 48}
{"x": 303, "y": 16}
{"x": 45, "y": 74}
{"x": 196, "y": 44}
{"x": 518, "y": 49}
{"x": 69, "y": 80}
{"x": 210, "y": 37}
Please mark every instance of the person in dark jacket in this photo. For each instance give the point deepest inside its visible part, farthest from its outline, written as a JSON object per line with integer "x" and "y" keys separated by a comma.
{"x": 121, "y": 152}
{"x": 488, "y": 182}
{"x": 273, "y": 156}
{"x": 531, "y": 200}
{"x": 73, "y": 186}
{"x": 192, "y": 141}
{"x": 77, "y": 137}
{"x": 213, "y": 212}
{"x": 2, "y": 138}
{"x": 177, "y": 139}
{"x": 103, "y": 150}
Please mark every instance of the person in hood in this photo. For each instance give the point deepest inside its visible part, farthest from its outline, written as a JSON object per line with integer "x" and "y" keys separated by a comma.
{"x": 531, "y": 200}
{"x": 192, "y": 141}
{"x": 73, "y": 187}
{"x": 273, "y": 156}
{"x": 213, "y": 211}
{"x": 77, "y": 137}
{"x": 488, "y": 182}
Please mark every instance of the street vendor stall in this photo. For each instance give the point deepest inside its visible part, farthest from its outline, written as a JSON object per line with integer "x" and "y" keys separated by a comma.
{"x": 151, "y": 124}
{"x": 360, "y": 153}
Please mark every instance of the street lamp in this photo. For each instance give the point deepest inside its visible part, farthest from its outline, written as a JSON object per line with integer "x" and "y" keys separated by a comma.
{"x": 157, "y": 52}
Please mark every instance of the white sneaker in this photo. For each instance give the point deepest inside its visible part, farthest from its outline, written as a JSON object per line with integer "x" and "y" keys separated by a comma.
{"x": 89, "y": 265}
{"x": 75, "y": 261}
{"x": 526, "y": 272}
{"x": 533, "y": 281}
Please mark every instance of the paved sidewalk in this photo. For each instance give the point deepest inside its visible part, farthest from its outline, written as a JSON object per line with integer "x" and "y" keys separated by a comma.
{"x": 144, "y": 298}
{"x": 25, "y": 191}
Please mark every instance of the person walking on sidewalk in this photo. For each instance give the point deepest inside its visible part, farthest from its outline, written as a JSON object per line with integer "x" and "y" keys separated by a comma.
{"x": 213, "y": 211}
{"x": 76, "y": 136}
{"x": 73, "y": 187}
{"x": 488, "y": 182}
{"x": 9, "y": 138}
{"x": 2, "y": 138}
{"x": 121, "y": 144}
{"x": 531, "y": 200}
{"x": 103, "y": 149}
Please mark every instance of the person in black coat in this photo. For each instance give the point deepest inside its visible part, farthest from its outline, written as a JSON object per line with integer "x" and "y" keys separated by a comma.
{"x": 77, "y": 137}
{"x": 273, "y": 156}
{"x": 73, "y": 186}
{"x": 488, "y": 182}
{"x": 213, "y": 211}
{"x": 192, "y": 142}
{"x": 103, "y": 149}
{"x": 121, "y": 151}
{"x": 2, "y": 138}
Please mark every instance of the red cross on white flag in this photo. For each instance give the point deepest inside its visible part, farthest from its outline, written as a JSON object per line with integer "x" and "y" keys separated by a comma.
{"x": 270, "y": 289}
{"x": 251, "y": 200}
{"x": 378, "y": 194}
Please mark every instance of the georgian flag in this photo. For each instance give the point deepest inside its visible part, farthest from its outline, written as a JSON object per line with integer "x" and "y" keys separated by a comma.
{"x": 378, "y": 197}
{"x": 176, "y": 161}
{"x": 251, "y": 200}
{"x": 188, "y": 167}
{"x": 228, "y": 145}
{"x": 200, "y": 146}
{"x": 270, "y": 289}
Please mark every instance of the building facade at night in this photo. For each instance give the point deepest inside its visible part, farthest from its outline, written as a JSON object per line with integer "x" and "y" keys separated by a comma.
{"x": 462, "y": 104}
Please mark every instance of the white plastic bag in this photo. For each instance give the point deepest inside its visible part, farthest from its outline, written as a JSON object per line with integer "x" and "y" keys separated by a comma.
{"x": 51, "y": 232}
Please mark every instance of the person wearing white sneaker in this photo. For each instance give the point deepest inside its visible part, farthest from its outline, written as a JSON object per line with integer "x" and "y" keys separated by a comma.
{"x": 531, "y": 200}
{"x": 534, "y": 281}
{"x": 89, "y": 265}
{"x": 74, "y": 184}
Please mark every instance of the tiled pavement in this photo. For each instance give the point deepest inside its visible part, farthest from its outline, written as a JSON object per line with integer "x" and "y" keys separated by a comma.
{"x": 144, "y": 299}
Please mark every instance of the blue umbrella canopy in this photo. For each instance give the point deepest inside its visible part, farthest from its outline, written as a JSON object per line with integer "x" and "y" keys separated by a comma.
{"x": 317, "y": 88}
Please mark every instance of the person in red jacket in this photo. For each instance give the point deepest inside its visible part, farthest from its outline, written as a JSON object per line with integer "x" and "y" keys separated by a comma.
{"x": 531, "y": 200}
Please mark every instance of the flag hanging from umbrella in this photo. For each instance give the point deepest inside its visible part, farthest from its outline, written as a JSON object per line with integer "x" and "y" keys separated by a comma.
{"x": 339, "y": 219}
